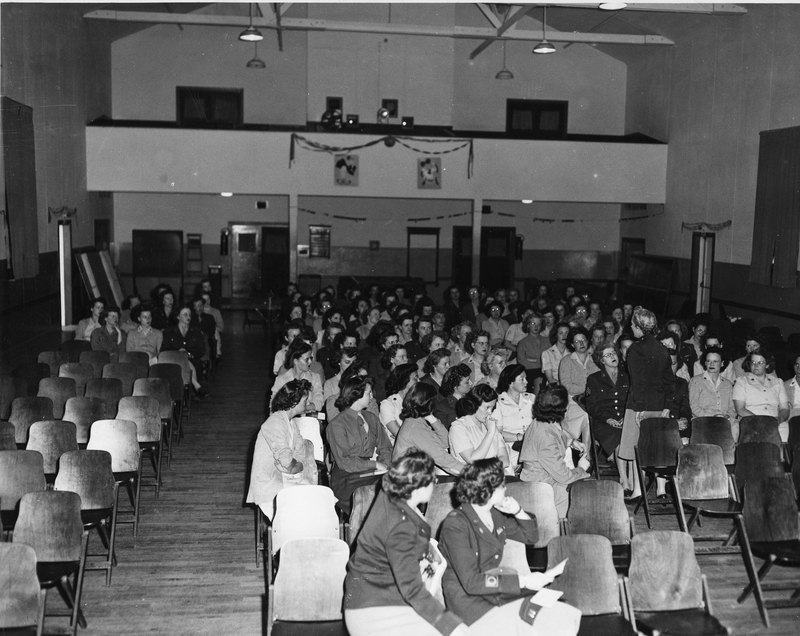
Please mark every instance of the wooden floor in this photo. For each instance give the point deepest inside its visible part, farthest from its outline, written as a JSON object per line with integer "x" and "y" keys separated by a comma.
{"x": 192, "y": 571}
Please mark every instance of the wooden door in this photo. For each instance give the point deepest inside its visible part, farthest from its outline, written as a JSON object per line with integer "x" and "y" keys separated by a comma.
{"x": 274, "y": 259}
{"x": 497, "y": 256}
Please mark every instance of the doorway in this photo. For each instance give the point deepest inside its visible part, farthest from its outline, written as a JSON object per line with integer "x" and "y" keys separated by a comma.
{"x": 702, "y": 270}
{"x": 259, "y": 259}
{"x": 498, "y": 247}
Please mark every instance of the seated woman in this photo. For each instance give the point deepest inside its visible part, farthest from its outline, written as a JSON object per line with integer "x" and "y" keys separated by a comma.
{"x": 572, "y": 373}
{"x": 343, "y": 358}
{"x": 605, "y": 398}
{"x": 369, "y": 319}
{"x": 514, "y": 408}
{"x": 492, "y": 600}
{"x": 87, "y": 325}
{"x": 477, "y": 346}
{"x": 420, "y": 429}
{"x": 126, "y": 323}
{"x": 530, "y": 349}
{"x": 325, "y": 349}
{"x": 495, "y": 325}
{"x": 391, "y": 358}
{"x": 436, "y": 365}
{"x": 144, "y": 338}
{"x": 677, "y": 393}
{"x": 458, "y": 341}
{"x": 759, "y": 392}
{"x": 361, "y": 451}
{"x": 384, "y": 590}
{"x": 398, "y": 384}
{"x": 455, "y": 385}
{"x": 713, "y": 340}
{"x": 544, "y": 449}
{"x": 185, "y": 337}
{"x": 493, "y": 366}
{"x": 165, "y": 315}
{"x": 282, "y": 458}
{"x": 431, "y": 342}
{"x": 298, "y": 365}
{"x": 710, "y": 394}
{"x": 109, "y": 337}
{"x": 551, "y": 358}
{"x": 474, "y": 434}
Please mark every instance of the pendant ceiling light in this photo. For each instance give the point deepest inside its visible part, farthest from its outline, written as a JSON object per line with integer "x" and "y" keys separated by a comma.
{"x": 544, "y": 46}
{"x": 256, "y": 62}
{"x": 251, "y": 34}
{"x": 504, "y": 73}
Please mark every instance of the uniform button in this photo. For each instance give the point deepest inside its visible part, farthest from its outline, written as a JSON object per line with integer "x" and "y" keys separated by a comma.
{"x": 496, "y": 556}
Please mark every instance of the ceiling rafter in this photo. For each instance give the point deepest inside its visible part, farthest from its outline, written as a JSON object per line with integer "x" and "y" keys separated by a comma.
{"x": 694, "y": 7}
{"x": 513, "y": 15}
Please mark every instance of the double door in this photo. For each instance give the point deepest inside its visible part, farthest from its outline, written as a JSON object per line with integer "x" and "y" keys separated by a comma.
{"x": 259, "y": 259}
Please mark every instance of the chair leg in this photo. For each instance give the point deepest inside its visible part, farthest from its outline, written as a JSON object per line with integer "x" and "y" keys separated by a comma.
{"x": 679, "y": 510}
{"x": 159, "y": 449}
{"x": 750, "y": 567}
{"x": 138, "y": 498}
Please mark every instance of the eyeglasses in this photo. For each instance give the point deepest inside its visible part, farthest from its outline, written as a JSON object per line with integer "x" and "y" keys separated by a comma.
{"x": 759, "y": 364}
{"x": 579, "y": 341}
{"x": 610, "y": 354}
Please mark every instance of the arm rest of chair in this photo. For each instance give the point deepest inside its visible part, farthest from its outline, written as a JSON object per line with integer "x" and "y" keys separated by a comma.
{"x": 625, "y": 600}
{"x": 633, "y": 526}
{"x": 706, "y": 594}
{"x": 563, "y": 527}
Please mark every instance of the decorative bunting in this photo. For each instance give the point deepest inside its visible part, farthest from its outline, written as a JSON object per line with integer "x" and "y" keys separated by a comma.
{"x": 706, "y": 227}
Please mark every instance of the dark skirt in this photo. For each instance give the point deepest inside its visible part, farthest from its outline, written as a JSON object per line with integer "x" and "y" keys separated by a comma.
{"x": 345, "y": 484}
{"x": 608, "y": 436}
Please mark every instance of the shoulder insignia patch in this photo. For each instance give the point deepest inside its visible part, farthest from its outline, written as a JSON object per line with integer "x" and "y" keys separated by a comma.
{"x": 492, "y": 580}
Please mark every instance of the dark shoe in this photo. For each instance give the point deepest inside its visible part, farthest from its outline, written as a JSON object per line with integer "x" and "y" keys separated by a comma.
{"x": 627, "y": 493}
{"x": 633, "y": 501}
{"x": 201, "y": 393}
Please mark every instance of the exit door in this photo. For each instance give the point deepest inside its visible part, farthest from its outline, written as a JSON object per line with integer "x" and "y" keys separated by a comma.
{"x": 498, "y": 248}
{"x": 259, "y": 259}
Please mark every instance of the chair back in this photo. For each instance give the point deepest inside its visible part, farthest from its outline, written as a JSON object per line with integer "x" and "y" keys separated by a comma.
{"x": 107, "y": 389}
{"x": 701, "y": 472}
{"x": 20, "y": 594}
{"x": 74, "y": 349}
{"x": 181, "y": 358}
{"x": 8, "y": 438}
{"x": 139, "y": 359}
{"x": 98, "y": 359}
{"x": 157, "y": 388}
{"x": 794, "y": 433}
{"x": 755, "y": 460}
{"x": 126, "y": 373}
{"x": 310, "y": 429}
{"x": 145, "y": 411}
{"x": 83, "y": 411}
{"x": 759, "y": 428}
{"x": 78, "y": 371}
{"x": 59, "y": 390}
{"x": 589, "y": 581}
{"x": 440, "y": 505}
{"x": 87, "y": 473}
{"x": 50, "y": 522}
{"x": 537, "y": 499}
{"x": 659, "y": 442}
{"x": 118, "y": 437}
{"x": 53, "y": 359}
{"x": 363, "y": 498}
{"x": 715, "y": 430}
{"x": 52, "y": 438}
{"x": 32, "y": 373}
{"x": 21, "y": 471}
{"x": 304, "y": 511}
{"x": 10, "y": 389}
{"x": 770, "y": 510}
{"x": 171, "y": 373}
{"x": 309, "y": 585}
{"x": 664, "y": 575}
{"x": 26, "y": 411}
{"x": 598, "y": 507}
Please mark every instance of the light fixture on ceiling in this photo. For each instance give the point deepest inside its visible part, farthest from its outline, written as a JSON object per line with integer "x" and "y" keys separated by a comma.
{"x": 251, "y": 34}
{"x": 504, "y": 73}
{"x": 226, "y": 194}
{"x": 527, "y": 201}
{"x": 256, "y": 62}
{"x": 612, "y": 6}
{"x": 544, "y": 46}
{"x": 383, "y": 115}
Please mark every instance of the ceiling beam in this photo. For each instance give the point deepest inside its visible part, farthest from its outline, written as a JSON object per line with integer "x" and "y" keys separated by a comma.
{"x": 490, "y": 15}
{"x": 307, "y": 24}
{"x": 694, "y": 7}
{"x": 509, "y": 23}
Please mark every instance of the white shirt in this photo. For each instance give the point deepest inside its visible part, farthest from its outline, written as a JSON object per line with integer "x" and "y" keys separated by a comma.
{"x": 390, "y": 412}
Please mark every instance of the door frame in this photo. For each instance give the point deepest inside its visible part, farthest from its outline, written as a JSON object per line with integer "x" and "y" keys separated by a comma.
{"x": 260, "y": 245}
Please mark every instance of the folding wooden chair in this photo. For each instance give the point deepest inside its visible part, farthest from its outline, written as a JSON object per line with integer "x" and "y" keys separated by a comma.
{"x": 145, "y": 412}
{"x": 88, "y": 473}
{"x": 181, "y": 358}
{"x": 26, "y": 411}
{"x": 771, "y": 522}
{"x": 159, "y": 389}
{"x": 537, "y": 499}
{"x": 591, "y": 584}
{"x": 98, "y": 359}
{"x": 667, "y": 591}
{"x": 10, "y": 389}
{"x": 50, "y": 522}
{"x": 172, "y": 373}
{"x": 139, "y": 359}
{"x": 759, "y": 428}
{"x": 21, "y": 472}
{"x": 52, "y": 438}
{"x": 8, "y": 439}
{"x": 309, "y": 585}
{"x": 59, "y": 390}
{"x": 363, "y": 498}
{"x": 656, "y": 456}
{"x": 126, "y": 373}
{"x": 32, "y": 373}
{"x": 756, "y": 460}
{"x": 74, "y": 348}
{"x": 21, "y": 597}
{"x": 53, "y": 359}
{"x": 107, "y": 389}
{"x": 78, "y": 371}
{"x": 118, "y": 437}
{"x": 83, "y": 411}
{"x": 715, "y": 430}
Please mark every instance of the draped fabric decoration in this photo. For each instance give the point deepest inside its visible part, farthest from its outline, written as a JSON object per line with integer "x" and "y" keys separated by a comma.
{"x": 702, "y": 226}
{"x": 776, "y": 227}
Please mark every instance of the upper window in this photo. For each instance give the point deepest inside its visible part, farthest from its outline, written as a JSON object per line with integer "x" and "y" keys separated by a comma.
{"x": 536, "y": 118}
{"x": 210, "y": 107}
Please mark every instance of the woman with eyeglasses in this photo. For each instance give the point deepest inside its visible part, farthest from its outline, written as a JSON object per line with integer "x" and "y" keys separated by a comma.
{"x": 572, "y": 373}
{"x": 758, "y": 392}
{"x": 477, "y": 346}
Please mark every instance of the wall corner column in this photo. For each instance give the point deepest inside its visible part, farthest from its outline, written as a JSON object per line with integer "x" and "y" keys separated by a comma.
{"x": 293, "y": 273}
{"x": 477, "y": 219}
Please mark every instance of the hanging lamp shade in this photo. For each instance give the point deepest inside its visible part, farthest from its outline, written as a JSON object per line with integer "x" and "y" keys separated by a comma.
{"x": 251, "y": 34}
{"x": 544, "y": 46}
{"x": 504, "y": 73}
{"x": 256, "y": 62}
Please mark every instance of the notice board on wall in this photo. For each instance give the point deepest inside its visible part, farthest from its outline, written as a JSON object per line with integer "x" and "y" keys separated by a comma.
{"x": 158, "y": 254}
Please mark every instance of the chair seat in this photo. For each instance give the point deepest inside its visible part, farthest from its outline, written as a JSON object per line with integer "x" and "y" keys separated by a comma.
{"x": 328, "y": 628}
{"x": 95, "y": 517}
{"x": 690, "y": 622}
{"x": 50, "y": 572}
{"x": 661, "y": 471}
{"x": 711, "y": 507}
{"x": 786, "y": 552}
{"x": 612, "y": 625}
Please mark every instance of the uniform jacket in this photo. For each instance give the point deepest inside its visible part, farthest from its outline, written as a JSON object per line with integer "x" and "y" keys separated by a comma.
{"x": 604, "y": 399}
{"x": 651, "y": 374}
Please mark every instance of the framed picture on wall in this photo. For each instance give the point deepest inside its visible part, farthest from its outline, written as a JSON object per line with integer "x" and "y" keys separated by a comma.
{"x": 429, "y": 173}
{"x": 345, "y": 170}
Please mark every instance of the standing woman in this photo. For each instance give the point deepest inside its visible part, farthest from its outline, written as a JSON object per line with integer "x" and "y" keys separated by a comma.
{"x": 398, "y": 384}
{"x": 436, "y": 365}
{"x": 88, "y": 325}
{"x": 493, "y": 366}
{"x": 384, "y": 590}
{"x": 514, "y": 411}
{"x": 606, "y": 395}
{"x": 472, "y": 541}
{"x": 298, "y": 367}
{"x": 282, "y": 458}
{"x": 109, "y": 337}
{"x": 650, "y": 370}
{"x": 455, "y": 385}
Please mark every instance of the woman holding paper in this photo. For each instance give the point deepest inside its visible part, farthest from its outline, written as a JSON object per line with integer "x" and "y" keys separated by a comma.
{"x": 493, "y": 599}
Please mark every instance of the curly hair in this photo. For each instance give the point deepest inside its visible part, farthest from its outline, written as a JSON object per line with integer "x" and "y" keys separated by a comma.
{"x": 551, "y": 404}
{"x": 452, "y": 378}
{"x": 389, "y": 354}
{"x": 477, "y": 333}
{"x": 747, "y": 363}
{"x": 111, "y": 309}
{"x": 290, "y": 395}
{"x": 597, "y": 354}
{"x": 338, "y": 341}
{"x": 719, "y": 351}
{"x": 410, "y": 471}
{"x": 427, "y": 339}
{"x": 297, "y": 349}
{"x": 398, "y": 378}
{"x": 495, "y": 303}
{"x": 486, "y": 367}
{"x": 418, "y": 402}
{"x": 483, "y": 392}
{"x": 576, "y": 331}
{"x": 467, "y": 405}
{"x": 507, "y": 377}
{"x": 352, "y": 390}
{"x": 479, "y": 480}
{"x": 645, "y": 320}
{"x": 456, "y": 331}
{"x": 349, "y": 352}
{"x": 434, "y": 358}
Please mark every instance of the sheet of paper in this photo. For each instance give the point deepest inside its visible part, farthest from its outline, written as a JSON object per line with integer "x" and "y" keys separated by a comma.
{"x": 546, "y": 597}
{"x": 558, "y": 569}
